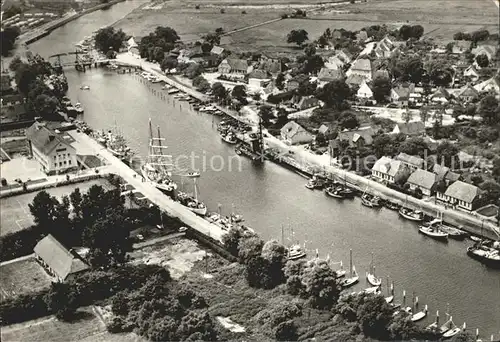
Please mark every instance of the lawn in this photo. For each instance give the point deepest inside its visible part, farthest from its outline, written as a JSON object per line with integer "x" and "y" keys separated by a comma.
{"x": 490, "y": 210}
{"x": 15, "y": 211}
{"x": 22, "y": 277}
{"x": 87, "y": 327}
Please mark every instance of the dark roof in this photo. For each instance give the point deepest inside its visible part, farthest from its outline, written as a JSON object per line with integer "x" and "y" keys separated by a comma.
{"x": 362, "y": 64}
{"x": 58, "y": 258}
{"x": 46, "y": 139}
{"x": 441, "y": 92}
{"x": 271, "y": 65}
{"x": 423, "y": 179}
{"x": 452, "y": 176}
{"x": 403, "y": 92}
{"x": 237, "y": 64}
{"x": 259, "y": 74}
{"x": 463, "y": 191}
{"x": 292, "y": 128}
{"x": 300, "y": 78}
{"x": 440, "y": 170}
{"x": 353, "y": 136}
{"x": 355, "y": 79}
{"x": 410, "y": 128}
{"x": 468, "y": 90}
{"x": 308, "y": 101}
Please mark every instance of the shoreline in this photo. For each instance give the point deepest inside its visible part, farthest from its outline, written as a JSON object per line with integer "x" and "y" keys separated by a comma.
{"x": 463, "y": 220}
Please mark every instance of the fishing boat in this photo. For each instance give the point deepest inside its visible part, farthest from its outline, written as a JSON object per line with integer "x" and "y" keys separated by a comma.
{"x": 229, "y": 138}
{"x": 453, "y": 330}
{"x": 156, "y": 168}
{"x": 192, "y": 174}
{"x": 370, "y": 201}
{"x": 487, "y": 255}
{"x": 353, "y": 277}
{"x": 117, "y": 145}
{"x": 419, "y": 315}
{"x": 370, "y": 275}
{"x": 453, "y": 233}
{"x": 192, "y": 202}
{"x": 372, "y": 290}
{"x": 236, "y": 218}
{"x": 340, "y": 272}
{"x": 412, "y": 215}
{"x": 335, "y": 192}
{"x": 433, "y": 232}
{"x": 390, "y": 292}
{"x": 78, "y": 108}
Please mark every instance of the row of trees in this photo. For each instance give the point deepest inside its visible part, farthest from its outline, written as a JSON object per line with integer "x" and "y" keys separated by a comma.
{"x": 476, "y": 36}
{"x": 32, "y": 78}
{"x": 154, "y": 46}
{"x": 96, "y": 220}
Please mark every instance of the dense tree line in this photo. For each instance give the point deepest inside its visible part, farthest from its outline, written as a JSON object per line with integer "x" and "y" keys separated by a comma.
{"x": 8, "y": 38}
{"x": 154, "y": 46}
{"x": 109, "y": 39}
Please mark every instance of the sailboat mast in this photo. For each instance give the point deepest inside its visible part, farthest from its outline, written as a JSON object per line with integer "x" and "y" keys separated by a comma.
{"x": 159, "y": 139}
{"x": 282, "y": 235}
{"x": 195, "y": 190}
{"x": 350, "y": 261}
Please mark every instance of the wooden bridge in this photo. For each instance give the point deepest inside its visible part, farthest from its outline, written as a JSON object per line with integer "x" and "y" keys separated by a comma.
{"x": 77, "y": 59}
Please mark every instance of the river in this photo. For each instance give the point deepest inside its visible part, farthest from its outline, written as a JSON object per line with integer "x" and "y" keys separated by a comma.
{"x": 270, "y": 196}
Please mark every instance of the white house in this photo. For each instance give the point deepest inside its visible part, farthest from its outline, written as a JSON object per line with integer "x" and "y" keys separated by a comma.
{"x": 362, "y": 67}
{"x": 51, "y": 149}
{"x": 423, "y": 180}
{"x": 364, "y": 91}
{"x": 292, "y": 133}
{"x": 462, "y": 195}
{"x": 471, "y": 73}
{"x": 441, "y": 96}
{"x": 488, "y": 85}
{"x": 386, "y": 169}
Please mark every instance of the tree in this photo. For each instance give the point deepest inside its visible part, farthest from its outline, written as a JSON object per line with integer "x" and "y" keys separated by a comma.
{"x": 381, "y": 88}
{"x": 464, "y": 336}
{"x": 293, "y": 274}
{"x": 109, "y": 39}
{"x": 218, "y": 91}
{"x": 250, "y": 248}
{"x": 280, "y": 81}
{"x": 196, "y": 323}
{"x": 212, "y": 39}
{"x": 489, "y": 109}
{"x": 405, "y": 32}
{"x": 297, "y": 36}
{"x": 193, "y": 70}
{"x": 201, "y": 84}
{"x": 407, "y": 69}
{"x": 43, "y": 209}
{"x": 348, "y": 120}
{"x": 416, "y": 31}
{"x": 60, "y": 300}
{"x": 491, "y": 191}
{"x": 8, "y": 38}
{"x": 232, "y": 239}
{"x": 335, "y": 94}
{"x": 275, "y": 254}
{"x": 168, "y": 63}
{"x": 266, "y": 113}
{"x": 286, "y": 331}
{"x": 15, "y": 63}
{"x": 239, "y": 92}
{"x": 447, "y": 154}
{"x": 384, "y": 145}
{"x": 313, "y": 64}
{"x": 168, "y": 34}
{"x": 320, "y": 284}
{"x": 414, "y": 146}
{"x": 402, "y": 328}
{"x": 310, "y": 50}
{"x": 257, "y": 273}
{"x": 440, "y": 73}
{"x": 45, "y": 105}
{"x": 482, "y": 60}
{"x": 480, "y": 35}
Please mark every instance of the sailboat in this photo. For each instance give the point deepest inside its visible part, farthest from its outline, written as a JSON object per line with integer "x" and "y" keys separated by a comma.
{"x": 341, "y": 272}
{"x": 370, "y": 275}
{"x": 390, "y": 292}
{"x": 155, "y": 170}
{"x": 192, "y": 202}
{"x": 353, "y": 277}
{"x": 433, "y": 232}
{"x": 410, "y": 214}
{"x": 295, "y": 251}
{"x": 420, "y": 315}
{"x": 236, "y": 218}
{"x": 453, "y": 330}
{"x": 369, "y": 200}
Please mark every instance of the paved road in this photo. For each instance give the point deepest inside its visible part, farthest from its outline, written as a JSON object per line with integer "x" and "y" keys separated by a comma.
{"x": 148, "y": 190}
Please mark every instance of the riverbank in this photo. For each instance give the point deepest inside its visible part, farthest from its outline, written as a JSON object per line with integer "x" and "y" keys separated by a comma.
{"x": 305, "y": 160}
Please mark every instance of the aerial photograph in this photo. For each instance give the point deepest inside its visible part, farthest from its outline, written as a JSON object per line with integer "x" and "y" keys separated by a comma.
{"x": 250, "y": 170}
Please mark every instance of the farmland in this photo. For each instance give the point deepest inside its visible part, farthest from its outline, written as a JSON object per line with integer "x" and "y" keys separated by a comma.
{"x": 440, "y": 18}
{"x": 22, "y": 277}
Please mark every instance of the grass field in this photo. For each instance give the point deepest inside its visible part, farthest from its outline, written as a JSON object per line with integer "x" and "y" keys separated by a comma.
{"x": 22, "y": 277}
{"x": 87, "y": 327}
{"x": 15, "y": 211}
{"x": 440, "y": 18}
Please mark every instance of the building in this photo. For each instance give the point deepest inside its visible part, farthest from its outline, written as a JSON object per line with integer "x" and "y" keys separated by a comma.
{"x": 355, "y": 80}
{"x": 490, "y": 85}
{"x": 423, "y": 180}
{"x": 364, "y": 92}
{"x": 234, "y": 66}
{"x": 467, "y": 93}
{"x": 462, "y": 195}
{"x": 271, "y": 66}
{"x": 334, "y": 63}
{"x": 132, "y": 47}
{"x": 217, "y": 50}
{"x": 293, "y": 134}
{"x": 440, "y": 96}
{"x": 400, "y": 95}
{"x": 413, "y": 162}
{"x": 361, "y": 36}
{"x": 307, "y": 102}
{"x": 471, "y": 73}
{"x": 486, "y": 48}
{"x": 327, "y": 75}
{"x": 386, "y": 169}
{"x": 61, "y": 263}
{"x": 345, "y": 56}
{"x": 387, "y": 47}
{"x": 362, "y": 67}
{"x": 5, "y": 82}
{"x": 358, "y": 138}
{"x": 51, "y": 149}
{"x": 460, "y": 46}
{"x": 258, "y": 78}
{"x": 410, "y": 129}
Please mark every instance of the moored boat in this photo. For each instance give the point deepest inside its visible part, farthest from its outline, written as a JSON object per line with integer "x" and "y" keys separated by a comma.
{"x": 418, "y": 316}
{"x": 192, "y": 174}
{"x": 433, "y": 232}
{"x": 487, "y": 255}
{"x": 192, "y": 203}
{"x": 295, "y": 252}
{"x": 370, "y": 201}
{"x": 370, "y": 275}
{"x": 229, "y": 138}
{"x": 335, "y": 192}
{"x": 412, "y": 215}
{"x": 353, "y": 276}
{"x": 392, "y": 206}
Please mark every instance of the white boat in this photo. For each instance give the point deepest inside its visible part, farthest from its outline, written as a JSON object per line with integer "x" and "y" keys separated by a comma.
{"x": 173, "y": 91}
{"x": 78, "y": 108}
{"x": 412, "y": 215}
{"x": 335, "y": 192}
{"x": 475, "y": 238}
{"x": 453, "y": 331}
{"x": 85, "y": 87}
{"x": 389, "y": 299}
{"x": 295, "y": 252}
{"x": 487, "y": 255}
{"x": 370, "y": 275}
{"x": 434, "y": 233}
{"x": 353, "y": 277}
{"x": 192, "y": 174}
{"x": 229, "y": 138}
{"x": 370, "y": 201}
{"x": 419, "y": 315}
{"x": 372, "y": 290}
{"x": 156, "y": 169}
{"x": 192, "y": 202}
{"x": 341, "y": 272}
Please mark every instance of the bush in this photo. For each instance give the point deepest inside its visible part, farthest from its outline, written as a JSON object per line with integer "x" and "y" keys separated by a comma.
{"x": 222, "y": 11}
{"x": 489, "y": 134}
{"x": 280, "y": 97}
{"x": 20, "y": 243}
{"x": 243, "y": 12}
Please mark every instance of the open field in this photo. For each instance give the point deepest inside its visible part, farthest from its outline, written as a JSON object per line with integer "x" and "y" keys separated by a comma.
{"x": 87, "y": 327}
{"x": 15, "y": 211}
{"x": 22, "y": 277}
{"x": 440, "y": 18}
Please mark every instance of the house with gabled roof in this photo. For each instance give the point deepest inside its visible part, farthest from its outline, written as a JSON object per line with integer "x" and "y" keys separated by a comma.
{"x": 51, "y": 148}
{"x": 441, "y": 96}
{"x": 217, "y": 50}
{"x": 327, "y": 75}
{"x": 486, "y": 48}
{"x": 358, "y": 138}
{"x": 400, "y": 95}
{"x": 467, "y": 93}
{"x": 413, "y": 162}
{"x": 423, "y": 180}
{"x": 307, "y": 102}
{"x": 364, "y": 91}
{"x": 355, "y": 80}
{"x": 293, "y": 134}
{"x": 234, "y": 66}
{"x": 361, "y": 66}
{"x": 460, "y": 46}
{"x": 491, "y": 84}
{"x": 258, "y": 78}
{"x": 271, "y": 66}
{"x": 462, "y": 196}
{"x": 334, "y": 63}
{"x": 386, "y": 169}
{"x": 60, "y": 262}
{"x": 344, "y": 56}
{"x": 471, "y": 73}
{"x": 410, "y": 129}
